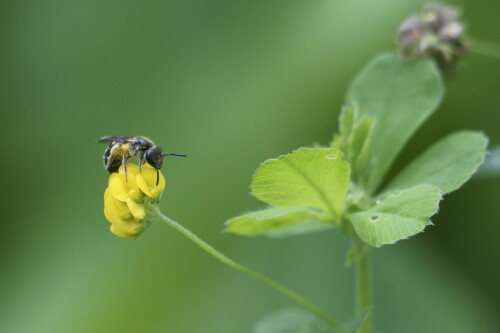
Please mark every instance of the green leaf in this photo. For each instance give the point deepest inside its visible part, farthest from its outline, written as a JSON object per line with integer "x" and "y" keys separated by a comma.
{"x": 291, "y": 321}
{"x": 346, "y": 119}
{"x": 360, "y": 140}
{"x": 399, "y": 95}
{"x": 447, "y": 164}
{"x": 399, "y": 215}
{"x": 307, "y": 227}
{"x": 311, "y": 177}
{"x": 273, "y": 219}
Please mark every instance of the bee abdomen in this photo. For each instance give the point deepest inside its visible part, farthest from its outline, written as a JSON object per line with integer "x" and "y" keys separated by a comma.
{"x": 111, "y": 163}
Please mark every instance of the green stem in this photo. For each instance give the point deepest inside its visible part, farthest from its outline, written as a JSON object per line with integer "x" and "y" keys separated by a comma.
{"x": 364, "y": 302}
{"x": 485, "y": 48}
{"x": 233, "y": 264}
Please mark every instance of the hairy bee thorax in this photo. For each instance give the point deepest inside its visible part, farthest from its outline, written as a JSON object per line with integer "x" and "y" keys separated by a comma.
{"x": 139, "y": 145}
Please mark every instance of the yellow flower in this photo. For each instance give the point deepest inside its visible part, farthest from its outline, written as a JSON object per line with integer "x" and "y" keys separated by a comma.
{"x": 129, "y": 202}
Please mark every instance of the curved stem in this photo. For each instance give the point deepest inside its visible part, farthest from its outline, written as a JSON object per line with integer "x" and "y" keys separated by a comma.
{"x": 485, "y": 48}
{"x": 233, "y": 264}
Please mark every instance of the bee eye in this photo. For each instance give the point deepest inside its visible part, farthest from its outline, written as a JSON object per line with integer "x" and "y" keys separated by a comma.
{"x": 154, "y": 157}
{"x": 150, "y": 156}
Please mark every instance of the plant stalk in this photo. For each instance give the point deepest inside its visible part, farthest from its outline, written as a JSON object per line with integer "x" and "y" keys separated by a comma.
{"x": 485, "y": 48}
{"x": 364, "y": 302}
{"x": 233, "y": 264}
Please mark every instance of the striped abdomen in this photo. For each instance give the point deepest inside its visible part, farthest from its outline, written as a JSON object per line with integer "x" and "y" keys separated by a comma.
{"x": 113, "y": 156}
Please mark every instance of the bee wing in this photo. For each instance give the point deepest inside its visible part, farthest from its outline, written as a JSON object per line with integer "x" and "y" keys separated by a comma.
{"x": 123, "y": 139}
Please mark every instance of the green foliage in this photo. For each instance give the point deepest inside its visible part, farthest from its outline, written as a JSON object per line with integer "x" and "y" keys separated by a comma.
{"x": 302, "y": 192}
{"x": 447, "y": 164}
{"x": 300, "y": 229}
{"x": 399, "y": 215}
{"x": 346, "y": 120}
{"x": 315, "y": 187}
{"x": 385, "y": 105}
{"x": 291, "y": 321}
{"x": 359, "y": 144}
{"x": 399, "y": 95}
{"x": 354, "y": 139}
{"x": 308, "y": 177}
{"x": 272, "y": 220}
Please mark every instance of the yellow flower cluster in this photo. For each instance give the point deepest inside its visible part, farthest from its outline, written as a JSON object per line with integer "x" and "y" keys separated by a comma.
{"x": 128, "y": 201}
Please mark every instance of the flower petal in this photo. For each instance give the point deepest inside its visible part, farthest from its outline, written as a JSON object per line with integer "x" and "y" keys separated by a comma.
{"x": 135, "y": 195}
{"x": 115, "y": 210}
{"x": 155, "y": 193}
{"x": 136, "y": 209}
{"x": 149, "y": 174}
{"x": 161, "y": 183}
{"x": 147, "y": 181}
{"x": 130, "y": 230}
{"x": 118, "y": 187}
{"x": 143, "y": 185}
{"x": 132, "y": 171}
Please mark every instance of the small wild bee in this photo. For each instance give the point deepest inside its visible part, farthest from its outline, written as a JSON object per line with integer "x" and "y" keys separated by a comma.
{"x": 121, "y": 148}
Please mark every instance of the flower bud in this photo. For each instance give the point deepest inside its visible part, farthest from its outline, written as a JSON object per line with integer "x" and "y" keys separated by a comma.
{"x": 436, "y": 33}
{"x": 130, "y": 199}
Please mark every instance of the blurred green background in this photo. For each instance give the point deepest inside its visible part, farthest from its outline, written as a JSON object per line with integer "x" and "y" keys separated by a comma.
{"x": 231, "y": 83}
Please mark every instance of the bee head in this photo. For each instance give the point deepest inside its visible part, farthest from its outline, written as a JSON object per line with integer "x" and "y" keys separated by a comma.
{"x": 154, "y": 157}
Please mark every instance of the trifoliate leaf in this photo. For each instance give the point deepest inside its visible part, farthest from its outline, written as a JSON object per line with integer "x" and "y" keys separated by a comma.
{"x": 399, "y": 95}
{"x": 399, "y": 215}
{"x": 447, "y": 164}
{"x": 310, "y": 177}
{"x": 291, "y": 321}
{"x": 273, "y": 219}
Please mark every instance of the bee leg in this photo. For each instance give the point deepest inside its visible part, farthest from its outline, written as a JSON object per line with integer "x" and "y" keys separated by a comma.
{"x": 157, "y": 177}
{"x": 124, "y": 163}
{"x": 141, "y": 161}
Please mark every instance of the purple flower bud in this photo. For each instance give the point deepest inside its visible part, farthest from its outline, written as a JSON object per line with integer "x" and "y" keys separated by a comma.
{"x": 438, "y": 16}
{"x": 436, "y": 33}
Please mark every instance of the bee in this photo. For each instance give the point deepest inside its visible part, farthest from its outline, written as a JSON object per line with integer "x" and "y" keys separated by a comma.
{"x": 121, "y": 148}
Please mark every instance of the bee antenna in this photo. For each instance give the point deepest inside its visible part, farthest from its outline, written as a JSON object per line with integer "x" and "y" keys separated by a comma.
{"x": 181, "y": 155}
